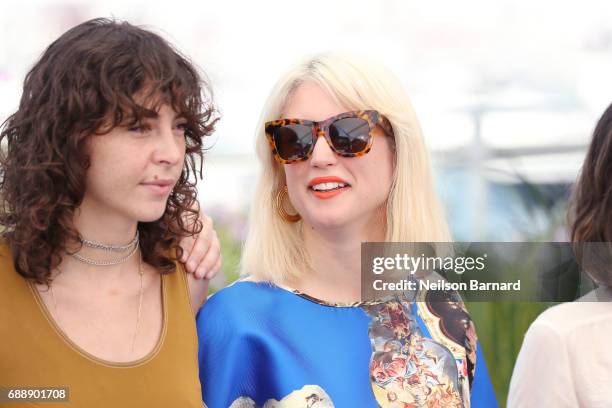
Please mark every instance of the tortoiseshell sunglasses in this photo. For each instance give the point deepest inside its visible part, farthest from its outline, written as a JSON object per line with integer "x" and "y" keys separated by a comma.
{"x": 349, "y": 134}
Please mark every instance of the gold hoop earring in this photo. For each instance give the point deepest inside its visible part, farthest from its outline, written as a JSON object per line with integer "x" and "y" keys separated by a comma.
{"x": 280, "y": 206}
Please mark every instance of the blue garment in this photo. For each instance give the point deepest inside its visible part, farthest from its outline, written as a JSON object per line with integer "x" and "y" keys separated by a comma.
{"x": 259, "y": 342}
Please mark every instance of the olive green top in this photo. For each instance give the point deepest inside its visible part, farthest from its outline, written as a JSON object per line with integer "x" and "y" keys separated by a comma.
{"x": 34, "y": 352}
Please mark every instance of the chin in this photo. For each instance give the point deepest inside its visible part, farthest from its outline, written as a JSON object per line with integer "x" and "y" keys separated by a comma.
{"x": 150, "y": 219}
{"x": 152, "y": 215}
{"x": 330, "y": 221}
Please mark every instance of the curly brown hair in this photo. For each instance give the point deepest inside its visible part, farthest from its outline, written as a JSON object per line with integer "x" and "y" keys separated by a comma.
{"x": 591, "y": 208}
{"x": 86, "y": 84}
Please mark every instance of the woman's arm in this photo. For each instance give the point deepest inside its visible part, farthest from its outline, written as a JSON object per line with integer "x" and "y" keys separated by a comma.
{"x": 202, "y": 259}
{"x": 202, "y": 252}
{"x": 198, "y": 292}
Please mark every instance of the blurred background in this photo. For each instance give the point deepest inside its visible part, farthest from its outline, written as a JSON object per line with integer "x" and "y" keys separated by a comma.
{"x": 507, "y": 92}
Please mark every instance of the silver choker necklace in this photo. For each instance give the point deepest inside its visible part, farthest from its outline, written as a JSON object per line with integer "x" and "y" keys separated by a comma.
{"x": 132, "y": 247}
{"x": 110, "y": 247}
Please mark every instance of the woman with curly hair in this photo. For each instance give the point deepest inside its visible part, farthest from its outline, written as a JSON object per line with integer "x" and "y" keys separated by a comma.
{"x": 565, "y": 358}
{"x": 97, "y": 193}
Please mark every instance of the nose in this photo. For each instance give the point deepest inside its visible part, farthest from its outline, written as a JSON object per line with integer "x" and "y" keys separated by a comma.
{"x": 322, "y": 154}
{"x": 169, "y": 146}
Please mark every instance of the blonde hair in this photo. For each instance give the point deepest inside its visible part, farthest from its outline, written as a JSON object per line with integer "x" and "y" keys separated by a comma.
{"x": 274, "y": 250}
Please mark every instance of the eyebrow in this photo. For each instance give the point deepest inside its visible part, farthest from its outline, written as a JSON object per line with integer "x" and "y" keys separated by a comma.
{"x": 151, "y": 114}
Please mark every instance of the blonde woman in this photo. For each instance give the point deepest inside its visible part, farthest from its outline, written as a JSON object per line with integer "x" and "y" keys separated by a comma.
{"x": 295, "y": 330}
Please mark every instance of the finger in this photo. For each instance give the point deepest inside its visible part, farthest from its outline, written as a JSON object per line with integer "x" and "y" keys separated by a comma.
{"x": 210, "y": 259}
{"x": 201, "y": 245}
{"x": 216, "y": 269}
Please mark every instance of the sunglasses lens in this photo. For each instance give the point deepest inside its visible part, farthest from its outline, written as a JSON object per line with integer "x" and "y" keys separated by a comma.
{"x": 292, "y": 142}
{"x": 350, "y": 135}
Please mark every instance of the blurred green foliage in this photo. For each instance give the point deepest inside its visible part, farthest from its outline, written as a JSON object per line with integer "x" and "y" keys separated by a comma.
{"x": 231, "y": 249}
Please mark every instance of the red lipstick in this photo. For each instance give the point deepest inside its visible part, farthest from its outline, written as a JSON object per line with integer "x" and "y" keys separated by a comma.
{"x": 327, "y": 193}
